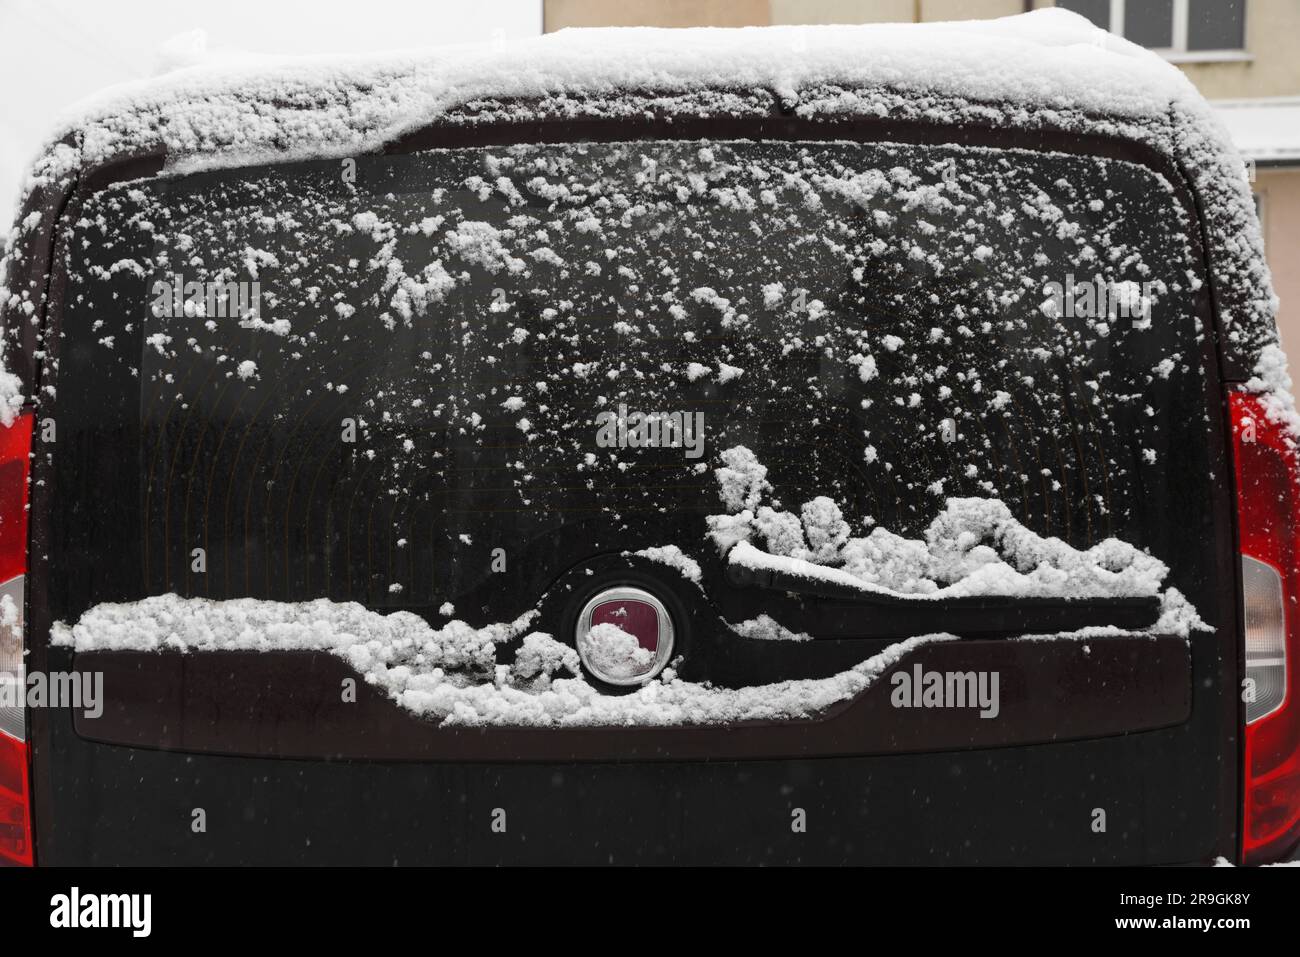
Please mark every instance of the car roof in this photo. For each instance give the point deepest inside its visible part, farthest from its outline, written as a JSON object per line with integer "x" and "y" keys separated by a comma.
{"x": 242, "y": 109}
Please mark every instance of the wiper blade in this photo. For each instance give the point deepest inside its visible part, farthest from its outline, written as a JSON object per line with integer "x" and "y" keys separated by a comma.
{"x": 840, "y": 610}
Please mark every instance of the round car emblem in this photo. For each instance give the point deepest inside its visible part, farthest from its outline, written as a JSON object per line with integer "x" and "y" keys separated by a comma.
{"x": 624, "y": 636}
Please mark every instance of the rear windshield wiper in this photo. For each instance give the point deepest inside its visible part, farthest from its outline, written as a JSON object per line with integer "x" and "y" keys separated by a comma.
{"x": 840, "y": 610}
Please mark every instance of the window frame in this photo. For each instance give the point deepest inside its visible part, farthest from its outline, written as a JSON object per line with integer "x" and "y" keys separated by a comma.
{"x": 1177, "y": 51}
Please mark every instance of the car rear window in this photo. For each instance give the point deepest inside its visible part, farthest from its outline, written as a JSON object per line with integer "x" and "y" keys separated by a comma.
{"x": 361, "y": 380}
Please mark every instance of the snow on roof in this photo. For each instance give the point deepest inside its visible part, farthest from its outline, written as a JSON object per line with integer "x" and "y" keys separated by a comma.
{"x": 239, "y": 111}
{"x": 1266, "y": 130}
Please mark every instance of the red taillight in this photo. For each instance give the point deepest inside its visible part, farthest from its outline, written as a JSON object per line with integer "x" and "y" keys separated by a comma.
{"x": 15, "y": 804}
{"x": 15, "y": 789}
{"x": 15, "y": 450}
{"x": 1268, "y": 517}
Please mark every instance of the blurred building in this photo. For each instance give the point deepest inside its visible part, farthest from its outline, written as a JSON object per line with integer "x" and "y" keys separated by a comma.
{"x": 1240, "y": 53}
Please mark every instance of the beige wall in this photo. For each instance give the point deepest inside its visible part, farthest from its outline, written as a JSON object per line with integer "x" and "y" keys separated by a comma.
{"x": 736, "y": 13}
{"x": 557, "y": 14}
{"x": 842, "y": 11}
{"x": 878, "y": 11}
{"x": 1280, "y": 192}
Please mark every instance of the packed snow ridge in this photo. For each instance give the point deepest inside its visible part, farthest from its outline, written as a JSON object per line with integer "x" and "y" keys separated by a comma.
{"x": 1272, "y": 383}
{"x": 674, "y": 558}
{"x": 973, "y": 547}
{"x": 255, "y": 109}
{"x": 450, "y": 673}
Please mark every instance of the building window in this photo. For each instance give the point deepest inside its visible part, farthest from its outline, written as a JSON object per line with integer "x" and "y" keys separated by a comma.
{"x": 1177, "y": 28}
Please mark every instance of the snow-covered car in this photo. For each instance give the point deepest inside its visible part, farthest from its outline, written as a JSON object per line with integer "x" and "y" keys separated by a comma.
{"x": 853, "y": 444}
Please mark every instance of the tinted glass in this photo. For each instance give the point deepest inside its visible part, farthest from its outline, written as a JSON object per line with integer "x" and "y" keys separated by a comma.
{"x": 417, "y": 377}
